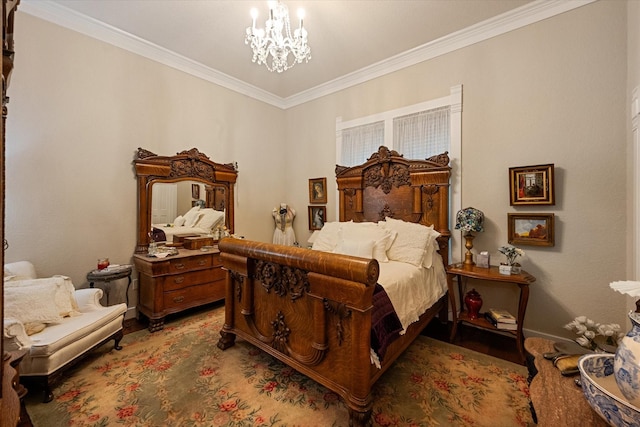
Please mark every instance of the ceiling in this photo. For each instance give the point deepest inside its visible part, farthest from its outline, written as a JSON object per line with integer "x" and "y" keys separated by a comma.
{"x": 348, "y": 38}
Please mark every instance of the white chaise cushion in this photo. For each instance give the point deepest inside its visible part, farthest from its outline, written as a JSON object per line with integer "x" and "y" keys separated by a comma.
{"x": 19, "y": 270}
{"x": 59, "y": 344}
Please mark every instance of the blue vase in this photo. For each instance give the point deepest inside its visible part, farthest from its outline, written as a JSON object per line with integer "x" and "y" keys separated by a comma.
{"x": 626, "y": 363}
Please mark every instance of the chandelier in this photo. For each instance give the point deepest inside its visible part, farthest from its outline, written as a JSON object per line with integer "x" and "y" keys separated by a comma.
{"x": 276, "y": 40}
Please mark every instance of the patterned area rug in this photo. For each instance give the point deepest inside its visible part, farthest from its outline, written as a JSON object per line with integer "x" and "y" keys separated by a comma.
{"x": 178, "y": 377}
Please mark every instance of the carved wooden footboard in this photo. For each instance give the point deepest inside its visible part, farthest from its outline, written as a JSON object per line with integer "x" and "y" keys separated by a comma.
{"x": 311, "y": 310}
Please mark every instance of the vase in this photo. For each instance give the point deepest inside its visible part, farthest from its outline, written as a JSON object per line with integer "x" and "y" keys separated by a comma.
{"x": 516, "y": 268}
{"x": 473, "y": 301}
{"x": 626, "y": 362}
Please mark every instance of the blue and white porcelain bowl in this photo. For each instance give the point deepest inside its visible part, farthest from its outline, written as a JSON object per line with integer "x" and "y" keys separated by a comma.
{"x": 603, "y": 394}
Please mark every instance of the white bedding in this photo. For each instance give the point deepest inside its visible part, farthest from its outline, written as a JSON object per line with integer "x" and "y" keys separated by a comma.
{"x": 412, "y": 290}
{"x": 171, "y": 231}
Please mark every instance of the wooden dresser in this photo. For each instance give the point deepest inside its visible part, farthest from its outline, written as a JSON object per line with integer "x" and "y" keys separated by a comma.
{"x": 178, "y": 282}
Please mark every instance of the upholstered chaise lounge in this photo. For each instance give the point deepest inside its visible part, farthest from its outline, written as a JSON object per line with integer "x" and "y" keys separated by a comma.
{"x": 54, "y": 322}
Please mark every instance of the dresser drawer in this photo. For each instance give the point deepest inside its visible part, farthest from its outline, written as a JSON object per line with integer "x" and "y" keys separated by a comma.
{"x": 194, "y": 295}
{"x": 190, "y": 278}
{"x": 180, "y": 265}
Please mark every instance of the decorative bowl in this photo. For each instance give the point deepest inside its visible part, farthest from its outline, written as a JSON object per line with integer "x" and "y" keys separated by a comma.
{"x": 603, "y": 394}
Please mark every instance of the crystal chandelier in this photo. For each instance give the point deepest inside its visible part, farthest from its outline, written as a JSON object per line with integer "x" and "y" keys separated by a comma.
{"x": 276, "y": 40}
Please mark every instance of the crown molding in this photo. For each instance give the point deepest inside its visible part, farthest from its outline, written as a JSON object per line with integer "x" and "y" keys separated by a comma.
{"x": 526, "y": 15}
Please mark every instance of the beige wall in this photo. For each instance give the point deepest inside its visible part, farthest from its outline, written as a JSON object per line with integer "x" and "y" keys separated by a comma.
{"x": 553, "y": 92}
{"x": 79, "y": 110}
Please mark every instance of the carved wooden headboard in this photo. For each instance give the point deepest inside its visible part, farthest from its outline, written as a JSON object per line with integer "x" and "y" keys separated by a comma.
{"x": 388, "y": 185}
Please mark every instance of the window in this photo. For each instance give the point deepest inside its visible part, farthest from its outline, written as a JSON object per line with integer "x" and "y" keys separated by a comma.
{"x": 418, "y": 131}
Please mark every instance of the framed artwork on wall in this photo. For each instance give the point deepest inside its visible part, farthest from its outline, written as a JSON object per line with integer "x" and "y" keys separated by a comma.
{"x": 532, "y": 185}
{"x": 317, "y": 215}
{"x": 195, "y": 191}
{"x": 535, "y": 229}
{"x": 318, "y": 190}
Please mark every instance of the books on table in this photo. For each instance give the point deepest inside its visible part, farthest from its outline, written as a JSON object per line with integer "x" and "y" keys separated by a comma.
{"x": 502, "y": 320}
{"x": 502, "y": 316}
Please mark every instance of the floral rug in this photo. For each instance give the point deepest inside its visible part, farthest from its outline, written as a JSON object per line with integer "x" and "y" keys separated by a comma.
{"x": 179, "y": 377}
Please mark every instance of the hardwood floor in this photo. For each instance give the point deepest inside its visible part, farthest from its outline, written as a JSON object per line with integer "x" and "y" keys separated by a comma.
{"x": 476, "y": 339}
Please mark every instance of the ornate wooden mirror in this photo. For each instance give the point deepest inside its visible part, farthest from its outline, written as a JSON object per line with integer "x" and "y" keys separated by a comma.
{"x": 197, "y": 179}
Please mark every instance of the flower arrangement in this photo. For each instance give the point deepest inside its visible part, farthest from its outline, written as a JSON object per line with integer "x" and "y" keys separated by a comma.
{"x": 511, "y": 252}
{"x": 588, "y": 330}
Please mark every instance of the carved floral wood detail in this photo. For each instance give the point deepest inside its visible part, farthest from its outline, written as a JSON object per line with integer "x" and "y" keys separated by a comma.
{"x": 282, "y": 279}
{"x": 341, "y": 312}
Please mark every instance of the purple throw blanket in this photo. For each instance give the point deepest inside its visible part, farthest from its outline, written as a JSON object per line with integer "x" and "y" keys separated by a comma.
{"x": 385, "y": 324}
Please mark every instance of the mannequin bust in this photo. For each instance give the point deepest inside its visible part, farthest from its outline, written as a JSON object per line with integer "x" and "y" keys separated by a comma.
{"x": 283, "y": 217}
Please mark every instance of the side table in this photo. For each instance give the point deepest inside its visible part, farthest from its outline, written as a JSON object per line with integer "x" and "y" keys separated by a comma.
{"x": 491, "y": 274}
{"x": 556, "y": 399}
{"x": 109, "y": 274}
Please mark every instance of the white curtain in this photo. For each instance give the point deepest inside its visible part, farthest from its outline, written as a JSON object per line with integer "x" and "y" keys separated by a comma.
{"x": 422, "y": 135}
{"x": 360, "y": 142}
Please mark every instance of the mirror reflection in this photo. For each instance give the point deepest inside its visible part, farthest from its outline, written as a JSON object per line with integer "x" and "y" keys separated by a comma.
{"x": 186, "y": 207}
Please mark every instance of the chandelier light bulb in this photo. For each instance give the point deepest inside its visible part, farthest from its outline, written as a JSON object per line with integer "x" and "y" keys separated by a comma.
{"x": 274, "y": 46}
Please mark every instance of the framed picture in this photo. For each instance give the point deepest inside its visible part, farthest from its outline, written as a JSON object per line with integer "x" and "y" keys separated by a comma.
{"x": 317, "y": 214}
{"x": 532, "y": 185}
{"x": 318, "y": 190}
{"x": 531, "y": 229}
{"x": 195, "y": 191}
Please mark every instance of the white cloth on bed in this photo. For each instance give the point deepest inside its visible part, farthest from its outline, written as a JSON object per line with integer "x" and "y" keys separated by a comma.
{"x": 412, "y": 290}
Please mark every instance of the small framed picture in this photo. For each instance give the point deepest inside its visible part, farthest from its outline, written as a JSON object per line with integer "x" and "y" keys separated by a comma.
{"x": 531, "y": 229}
{"x": 195, "y": 191}
{"x": 317, "y": 215}
{"x": 318, "y": 190}
{"x": 532, "y": 185}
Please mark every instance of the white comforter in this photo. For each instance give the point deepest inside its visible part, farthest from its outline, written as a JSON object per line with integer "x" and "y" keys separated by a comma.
{"x": 171, "y": 231}
{"x": 412, "y": 290}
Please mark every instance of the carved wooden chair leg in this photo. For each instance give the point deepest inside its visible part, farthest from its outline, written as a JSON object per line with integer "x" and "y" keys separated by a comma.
{"x": 117, "y": 338}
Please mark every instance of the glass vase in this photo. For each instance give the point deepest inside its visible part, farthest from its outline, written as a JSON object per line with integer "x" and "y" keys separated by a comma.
{"x": 626, "y": 362}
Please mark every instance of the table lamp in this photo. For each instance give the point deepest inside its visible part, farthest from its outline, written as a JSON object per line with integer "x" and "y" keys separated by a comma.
{"x": 468, "y": 220}
{"x": 628, "y": 287}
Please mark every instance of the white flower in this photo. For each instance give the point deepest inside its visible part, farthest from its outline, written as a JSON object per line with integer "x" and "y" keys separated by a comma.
{"x": 587, "y": 330}
{"x": 583, "y": 341}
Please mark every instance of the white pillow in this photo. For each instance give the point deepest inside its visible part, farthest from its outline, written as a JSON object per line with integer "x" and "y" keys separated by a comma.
{"x": 209, "y": 218}
{"x": 64, "y": 298}
{"x": 191, "y": 217}
{"x": 410, "y": 245}
{"x": 382, "y": 237}
{"x": 432, "y": 249}
{"x": 327, "y": 238}
{"x": 355, "y": 247}
{"x": 179, "y": 221}
{"x": 31, "y": 304}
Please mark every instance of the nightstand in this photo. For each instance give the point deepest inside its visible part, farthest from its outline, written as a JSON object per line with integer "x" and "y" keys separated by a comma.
{"x": 491, "y": 274}
{"x": 110, "y": 274}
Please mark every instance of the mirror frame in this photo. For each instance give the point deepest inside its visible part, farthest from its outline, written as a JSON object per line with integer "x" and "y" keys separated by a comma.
{"x": 188, "y": 165}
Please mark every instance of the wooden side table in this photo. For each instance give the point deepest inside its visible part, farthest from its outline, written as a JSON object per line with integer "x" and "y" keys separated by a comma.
{"x": 491, "y": 274}
{"x": 556, "y": 399}
{"x": 107, "y": 276}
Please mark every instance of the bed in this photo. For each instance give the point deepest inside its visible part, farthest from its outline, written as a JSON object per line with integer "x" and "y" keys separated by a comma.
{"x": 196, "y": 221}
{"x": 314, "y": 309}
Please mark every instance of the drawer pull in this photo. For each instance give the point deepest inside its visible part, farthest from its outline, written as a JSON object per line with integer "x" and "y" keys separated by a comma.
{"x": 178, "y": 299}
{"x": 178, "y": 280}
{"x": 202, "y": 262}
{"x": 179, "y": 266}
